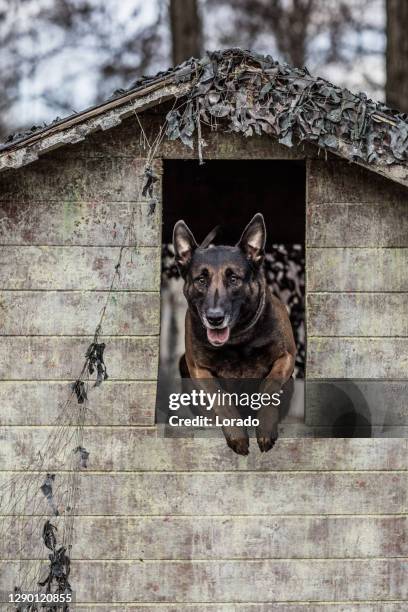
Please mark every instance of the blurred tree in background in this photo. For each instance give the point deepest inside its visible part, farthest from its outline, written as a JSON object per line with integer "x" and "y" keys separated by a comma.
{"x": 186, "y": 30}
{"x": 396, "y": 90}
{"x": 339, "y": 39}
{"x": 58, "y": 56}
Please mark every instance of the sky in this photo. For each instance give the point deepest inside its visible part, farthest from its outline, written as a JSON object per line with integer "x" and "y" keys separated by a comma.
{"x": 71, "y": 73}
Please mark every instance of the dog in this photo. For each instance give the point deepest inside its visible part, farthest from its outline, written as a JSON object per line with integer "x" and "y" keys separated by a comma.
{"x": 235, "y": 327}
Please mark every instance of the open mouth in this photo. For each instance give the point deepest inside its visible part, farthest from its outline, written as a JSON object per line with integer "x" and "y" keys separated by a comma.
{"x": 218, "y": 337}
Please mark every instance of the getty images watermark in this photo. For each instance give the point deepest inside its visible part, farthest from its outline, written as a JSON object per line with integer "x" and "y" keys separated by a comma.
{"x": 204, "y": 400}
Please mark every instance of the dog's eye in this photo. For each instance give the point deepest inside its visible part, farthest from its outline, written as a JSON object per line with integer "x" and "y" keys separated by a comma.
{"x": 201, "y": 281}
{"x": 233, "y": 279}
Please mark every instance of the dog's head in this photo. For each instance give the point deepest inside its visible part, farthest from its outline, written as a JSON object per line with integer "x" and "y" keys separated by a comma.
{"x": 221, "y": 283}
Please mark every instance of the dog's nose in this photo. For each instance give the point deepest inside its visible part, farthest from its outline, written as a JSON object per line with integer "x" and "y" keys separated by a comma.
{"x": 215, "y": 317}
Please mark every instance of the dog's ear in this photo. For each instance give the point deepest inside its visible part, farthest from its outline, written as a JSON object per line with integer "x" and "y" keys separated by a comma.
{"x": 253, "y": 239}
{"x": 184, "y": 245}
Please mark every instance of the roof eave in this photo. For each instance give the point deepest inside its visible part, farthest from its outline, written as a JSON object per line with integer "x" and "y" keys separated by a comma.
{"x": 394, "y": 172}
{"x": 103, "y": 117}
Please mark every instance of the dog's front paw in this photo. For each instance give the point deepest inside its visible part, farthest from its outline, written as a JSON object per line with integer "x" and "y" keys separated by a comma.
{"x": 238, "y": 442}
{"x": 265, "y": 443}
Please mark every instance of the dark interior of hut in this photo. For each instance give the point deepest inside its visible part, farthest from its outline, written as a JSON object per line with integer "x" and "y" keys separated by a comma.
{"x": 229, "y": 193}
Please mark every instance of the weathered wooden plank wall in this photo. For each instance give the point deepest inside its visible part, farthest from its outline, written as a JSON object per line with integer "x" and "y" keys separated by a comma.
{"x": 182, "y": 524}
{"x": 356, "y": 275}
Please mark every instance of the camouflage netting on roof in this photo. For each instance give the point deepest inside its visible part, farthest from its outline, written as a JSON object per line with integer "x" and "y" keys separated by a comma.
{"x": 253, "y": 94}
{"x": 245, "y": 92}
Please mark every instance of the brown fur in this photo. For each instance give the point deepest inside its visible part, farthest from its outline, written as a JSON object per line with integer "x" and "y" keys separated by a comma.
{"x": 264, "y": 351}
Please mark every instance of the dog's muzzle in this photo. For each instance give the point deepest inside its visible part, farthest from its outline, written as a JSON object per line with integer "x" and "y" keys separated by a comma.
{"x": 218, "y": 330}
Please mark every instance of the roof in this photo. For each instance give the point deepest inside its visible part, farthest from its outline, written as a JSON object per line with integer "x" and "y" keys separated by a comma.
{"x": 243, "y": 92}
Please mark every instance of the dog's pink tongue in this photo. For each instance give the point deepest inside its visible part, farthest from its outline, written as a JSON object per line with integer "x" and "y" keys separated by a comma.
{"x": 218, "y": 336}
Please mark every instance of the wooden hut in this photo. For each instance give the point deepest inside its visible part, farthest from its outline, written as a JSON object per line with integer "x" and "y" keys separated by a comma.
{"x": 184, "y": 524}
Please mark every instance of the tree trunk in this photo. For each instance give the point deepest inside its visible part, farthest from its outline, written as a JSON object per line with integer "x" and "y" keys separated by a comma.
{"x": 396, "y": 89}
{"x": 186, "y": 34}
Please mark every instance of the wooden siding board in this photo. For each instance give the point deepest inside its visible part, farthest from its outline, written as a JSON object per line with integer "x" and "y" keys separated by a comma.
{"x": 234, "y": 581}
{"x": 183, "y": 493}
{"x": 356, "y": 269}
{"x": 59, "y": 313}
{"x": 116, "y": 403}
{"x": 234, "y": 146}
{"x": 110, "y": 179}
{"x": 379, "y": 606}
{"x": 355, "y": 424}
{"x": 358, "y": 225}
{"x": 126, "y": 140}
{"x": 144, "y": 449}
{"x": 215, "y": 537}
{"x": 269, "y": 580}
{"x": 337, "y": 181}
{"x": 357, "y": 314}
{"x": 355, "y": 277}
{"x": 61, "y": 358}
{"x": 77, "y": 222}
{"x": 233, "y": 537}
{"x": 339, "y": 357}
{"x": 78, "y": 268}
{"x": 373, "y": 606}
